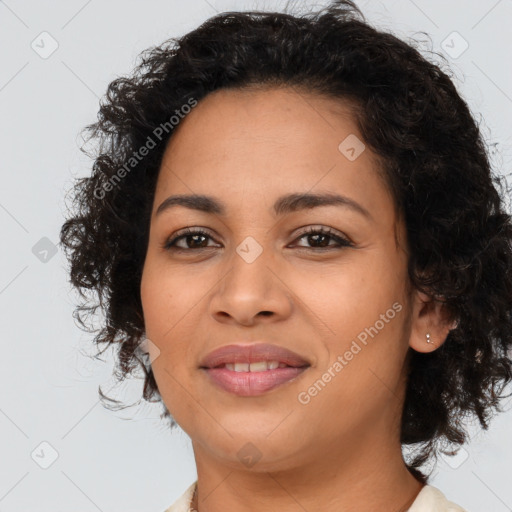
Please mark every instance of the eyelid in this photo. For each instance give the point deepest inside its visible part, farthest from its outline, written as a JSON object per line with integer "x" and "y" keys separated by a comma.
{"x": 184, "y": 232}
{"x": 342, "y": 240}
{"x": 314, "y": 228}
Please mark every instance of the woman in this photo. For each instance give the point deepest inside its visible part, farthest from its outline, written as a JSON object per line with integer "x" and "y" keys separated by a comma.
{"x": 296, "y": 218}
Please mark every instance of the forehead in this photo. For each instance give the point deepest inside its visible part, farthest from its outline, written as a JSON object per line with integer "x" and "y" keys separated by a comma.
{"x": 284, "y": 117}
{"x": 267, "y": 133}
{"x": 260, "y": 143}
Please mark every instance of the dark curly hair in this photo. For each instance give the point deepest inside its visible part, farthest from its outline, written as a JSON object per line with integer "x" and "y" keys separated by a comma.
{"x": 433, "y": 159}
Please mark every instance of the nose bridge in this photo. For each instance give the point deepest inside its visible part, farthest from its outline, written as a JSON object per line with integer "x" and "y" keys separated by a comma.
{"x": 250, "y": 285}
{"x": 250, "y": 270}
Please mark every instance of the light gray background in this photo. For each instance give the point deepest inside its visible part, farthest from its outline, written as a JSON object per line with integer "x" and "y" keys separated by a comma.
{"x": 49, "y": 388}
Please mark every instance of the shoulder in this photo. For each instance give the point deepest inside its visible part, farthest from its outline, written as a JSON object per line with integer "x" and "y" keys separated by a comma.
{"x": 182, "y": 504}
{"x": 431, "y": 499}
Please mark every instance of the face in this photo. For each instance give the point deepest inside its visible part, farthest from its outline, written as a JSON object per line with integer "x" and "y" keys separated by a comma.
{"x": 326, "y": 281}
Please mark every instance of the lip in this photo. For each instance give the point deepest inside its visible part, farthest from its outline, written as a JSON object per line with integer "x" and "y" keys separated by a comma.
{"x": 238, "y": 353}
{"x": 249, "y": 383}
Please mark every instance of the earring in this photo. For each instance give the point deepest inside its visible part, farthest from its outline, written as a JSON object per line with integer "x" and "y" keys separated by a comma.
{"x": 428, "y": 338}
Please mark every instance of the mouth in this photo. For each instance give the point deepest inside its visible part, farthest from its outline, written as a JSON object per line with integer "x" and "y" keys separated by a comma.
{"x": 258, "y": 366}
{"x": 252, "y": 383}
{"x": 255, "y": 354}
{"x": 251, "y": 370}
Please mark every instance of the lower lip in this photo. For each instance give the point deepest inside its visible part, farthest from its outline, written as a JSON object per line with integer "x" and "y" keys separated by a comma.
{"x": 252, "y": 383}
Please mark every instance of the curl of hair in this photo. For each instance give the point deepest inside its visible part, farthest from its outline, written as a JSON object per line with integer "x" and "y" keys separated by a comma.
{"x": 433, "y": 159}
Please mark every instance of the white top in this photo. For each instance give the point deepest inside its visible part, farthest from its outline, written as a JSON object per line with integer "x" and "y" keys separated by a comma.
{"x": 429, "y": 499}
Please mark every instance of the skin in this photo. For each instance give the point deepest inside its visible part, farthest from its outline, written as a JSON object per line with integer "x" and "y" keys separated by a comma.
{"x": 340, "y": 451}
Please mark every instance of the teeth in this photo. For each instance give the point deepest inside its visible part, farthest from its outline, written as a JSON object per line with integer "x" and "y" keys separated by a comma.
{"x": 260, "y": 366}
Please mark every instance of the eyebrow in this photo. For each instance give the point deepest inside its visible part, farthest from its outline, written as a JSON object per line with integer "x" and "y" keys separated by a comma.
{"x": 285, "y": 204}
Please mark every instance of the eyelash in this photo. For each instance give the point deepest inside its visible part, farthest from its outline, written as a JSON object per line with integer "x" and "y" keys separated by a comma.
{"x": 169, "y": 244}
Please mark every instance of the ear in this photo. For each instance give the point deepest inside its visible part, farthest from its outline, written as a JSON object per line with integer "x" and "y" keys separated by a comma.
{"x": 432, "y": 317}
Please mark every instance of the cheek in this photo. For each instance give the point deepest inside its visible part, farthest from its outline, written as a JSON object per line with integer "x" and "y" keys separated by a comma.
{"x": 167, "y": 295}
{"x": 166, "y": 300}
{"x": 346, "y": 298}
{"x": 359, "y": 312}
{"x": 171, "y": 302}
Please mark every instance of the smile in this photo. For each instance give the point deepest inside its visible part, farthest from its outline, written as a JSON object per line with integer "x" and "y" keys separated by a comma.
{"x": 242, "y": 380}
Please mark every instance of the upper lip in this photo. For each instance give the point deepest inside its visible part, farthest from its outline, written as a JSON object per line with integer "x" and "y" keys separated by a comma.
{"x": 238, "y": 353}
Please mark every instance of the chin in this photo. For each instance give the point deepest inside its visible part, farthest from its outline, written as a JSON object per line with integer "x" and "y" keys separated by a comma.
{"x": 252, "y": 448}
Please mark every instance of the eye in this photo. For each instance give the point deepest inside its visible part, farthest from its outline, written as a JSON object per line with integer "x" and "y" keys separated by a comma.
{"x": 192, "y": 238}
{"x": 320, "y": 237}
{"x": 317, "y": 237}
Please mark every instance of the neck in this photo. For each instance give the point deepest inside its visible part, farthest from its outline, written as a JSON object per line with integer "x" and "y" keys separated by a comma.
{"x": 346, "y": 479}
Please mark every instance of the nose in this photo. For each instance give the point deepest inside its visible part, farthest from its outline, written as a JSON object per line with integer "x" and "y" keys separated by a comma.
{"x": 250, "y": 293}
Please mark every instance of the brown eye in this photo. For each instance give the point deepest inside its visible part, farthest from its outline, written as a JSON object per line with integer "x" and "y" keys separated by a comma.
{"x": 320, "y": 238}
{"x": 317, "y": 238}
{"x": 193, "y": 239}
